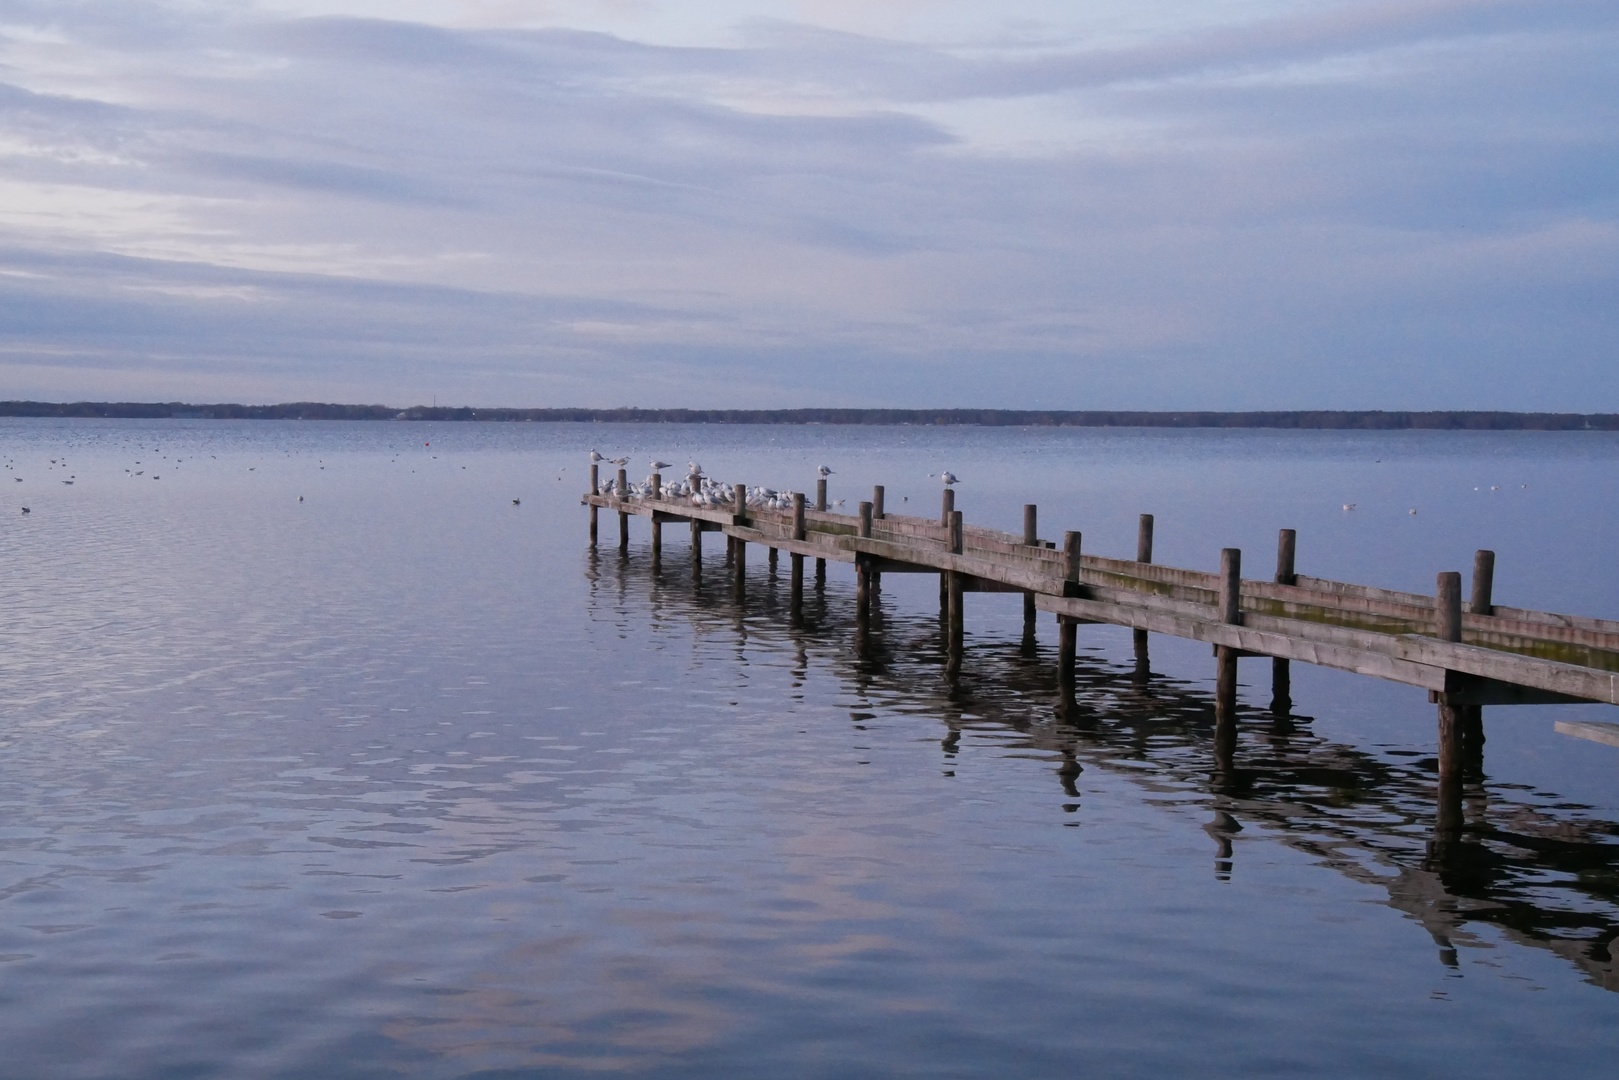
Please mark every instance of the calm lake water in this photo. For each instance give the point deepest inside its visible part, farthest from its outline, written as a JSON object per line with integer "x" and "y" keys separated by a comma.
{"x": 323, "y": 756}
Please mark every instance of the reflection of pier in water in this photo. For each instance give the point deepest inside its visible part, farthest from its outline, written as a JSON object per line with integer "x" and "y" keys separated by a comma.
{"x": 1542, "y": 876}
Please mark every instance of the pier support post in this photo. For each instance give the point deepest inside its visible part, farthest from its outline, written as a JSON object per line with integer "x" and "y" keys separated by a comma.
{"x": 944, "y": 578}
{"x": 657, "y": 526}
{"x": 1225, "y": 681}
{"x": 1281, "y": 671}
{"x": 696, "y": 549}
{"x": 862, "y": 565}
{"x": 820, "y": 504}
{"x": 623, "y": 518}
{"x": 1143, "y": 668}
{"x": 1067, "y": 629}
{"x": 1448, "y": 617}
{"x": 740, "y": 567}
{"x": 796, "y": 571}
{"x": 1031, "y": 538}
{"x": 957, "y": 600}
{"x": 775, "y": 555}
{"x": 877, "y": 502}
{"x": 595, "y": 489}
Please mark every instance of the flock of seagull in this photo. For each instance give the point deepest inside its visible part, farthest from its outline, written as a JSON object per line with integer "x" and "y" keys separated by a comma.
{"x": 705, "y": 491}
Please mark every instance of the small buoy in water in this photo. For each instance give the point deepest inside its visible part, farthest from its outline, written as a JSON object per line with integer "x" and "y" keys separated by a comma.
{"x": 300, "y": 498}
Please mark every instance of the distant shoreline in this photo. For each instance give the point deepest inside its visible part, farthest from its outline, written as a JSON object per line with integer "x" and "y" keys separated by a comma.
{"x": 1320, "y": 419}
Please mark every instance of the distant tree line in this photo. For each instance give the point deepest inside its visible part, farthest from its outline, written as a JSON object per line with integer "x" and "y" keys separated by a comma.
{"x": 1329, "y": 419}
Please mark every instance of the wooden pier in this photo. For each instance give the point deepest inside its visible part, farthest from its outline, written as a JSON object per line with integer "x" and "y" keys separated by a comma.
{"x": 1465, "y": 654}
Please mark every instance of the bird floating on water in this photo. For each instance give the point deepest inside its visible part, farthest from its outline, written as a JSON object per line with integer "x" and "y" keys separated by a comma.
{"x": 1349, "y": 506}
{"x": 26, "y": 510}
{"x": 517, "y": 502}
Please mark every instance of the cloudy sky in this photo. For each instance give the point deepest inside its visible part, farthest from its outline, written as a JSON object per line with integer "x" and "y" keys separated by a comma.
{"x": 1020, "y": 203}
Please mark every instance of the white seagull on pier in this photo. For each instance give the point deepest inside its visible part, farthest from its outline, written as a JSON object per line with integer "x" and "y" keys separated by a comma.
{"x": 595, "y": 458}
{"x": 949, "y": 478}
{"x": 659, "y": 466}
{"x": 621, "y": 461}
{"x": 824, "y": 471}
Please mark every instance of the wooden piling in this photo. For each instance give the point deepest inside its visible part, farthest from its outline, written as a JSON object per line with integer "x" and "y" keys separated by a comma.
{"x": 1031, "y": 538}
{"x": 820, "y": 504}
{"x": 1281, "y": 670}
{"x": 1225, "y": 709}
{"x": 623, "y": 518}
{"x": 1144, "y": 555}
{"x": 957, "y": 598}
{"x": 740, "y": 565}
{"x": 1448, "y": 617}
{"x": 1483, "y": 583}
{"x": 1231, "y": 585}
{"x": 867, "y": 512}
{"x": 877, "y": 502}
{"x": 696, "y": 542}
{"x": 1286, "y": 547}
{"x": 595, "y": 489}
{"x": 1067, "y": 629}
{"x": 797, "y": 572}
{"x": 1225, "y": 681}
{"x": 657, "y": 525}
{"x": 775, "y": 554}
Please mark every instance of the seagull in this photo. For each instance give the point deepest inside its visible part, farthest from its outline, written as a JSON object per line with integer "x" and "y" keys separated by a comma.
{"x": 620, "y": 461}
{"x": 659, "y": 466}
{"x": 1349, "y": 506}
{"x": 1413, "y": 511}
{"x": 26, "y": 510}
{"x": 824, "y": 471}
{"x": 595, "y": 457}
{"x": 517, "y": 502}
{"x": 949, "y": 478}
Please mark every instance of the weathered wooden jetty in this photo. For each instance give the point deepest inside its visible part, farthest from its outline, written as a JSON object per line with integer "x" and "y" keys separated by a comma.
{"x": 1466, "y": 655}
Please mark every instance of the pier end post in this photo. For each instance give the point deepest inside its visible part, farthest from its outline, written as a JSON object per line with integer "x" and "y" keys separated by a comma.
{"x": 1144, "y": 539}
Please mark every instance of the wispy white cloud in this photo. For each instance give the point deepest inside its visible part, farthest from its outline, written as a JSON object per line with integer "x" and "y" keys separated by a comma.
{"x": 1272, "y": 204}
